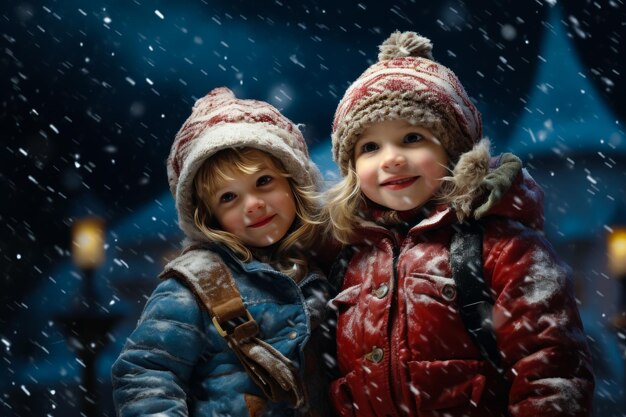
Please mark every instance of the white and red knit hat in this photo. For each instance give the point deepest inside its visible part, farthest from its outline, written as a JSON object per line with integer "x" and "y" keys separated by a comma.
{"x": 219, "y": 121}
{"x": 406, "y": 83}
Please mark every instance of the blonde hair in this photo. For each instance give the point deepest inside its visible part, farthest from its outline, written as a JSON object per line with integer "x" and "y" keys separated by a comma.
{"x": 344, "y": 205}
{"x": 294, "y": 247}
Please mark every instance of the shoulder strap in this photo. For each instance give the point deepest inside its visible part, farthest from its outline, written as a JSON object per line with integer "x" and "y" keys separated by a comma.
{"x": 339, "y": 267}
{"x": 205, "y": 273}
{"x": 473, "y": 293}
{"x": 210, "y": 279}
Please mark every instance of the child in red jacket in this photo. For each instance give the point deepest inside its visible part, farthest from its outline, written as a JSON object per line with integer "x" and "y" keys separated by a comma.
{"x": 408, "y": 141}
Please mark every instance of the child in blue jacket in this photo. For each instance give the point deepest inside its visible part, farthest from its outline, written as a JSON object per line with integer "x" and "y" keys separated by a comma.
{"x": 245, "y": 195}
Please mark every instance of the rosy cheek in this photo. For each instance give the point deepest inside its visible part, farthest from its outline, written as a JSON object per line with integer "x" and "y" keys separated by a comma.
{"x": 229, "y": 223}
{"x": 432, "y": 165}
{"x": 365, "y": 172}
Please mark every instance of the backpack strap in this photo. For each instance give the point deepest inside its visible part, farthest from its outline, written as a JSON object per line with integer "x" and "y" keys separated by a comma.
{"x": 340, "y": 267}
{"x": 206, "y": 274}
{"x": 473, "y": 294}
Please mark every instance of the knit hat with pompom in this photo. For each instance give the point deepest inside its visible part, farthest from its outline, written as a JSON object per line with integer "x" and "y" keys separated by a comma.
{"x": 406, "y": 83}
{"x": 219, "y": 121}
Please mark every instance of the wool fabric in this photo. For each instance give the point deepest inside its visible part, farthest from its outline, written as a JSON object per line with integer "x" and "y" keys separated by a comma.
{"x": 406, "y": 83}
{"x": 219, "y": 121}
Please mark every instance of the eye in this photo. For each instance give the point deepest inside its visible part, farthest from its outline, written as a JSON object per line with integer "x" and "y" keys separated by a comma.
{"x": 369, "y": 147}
{"x": 227, "y": 197}
{"x": 413, "y": 138}
{"x": 264, "y": 180}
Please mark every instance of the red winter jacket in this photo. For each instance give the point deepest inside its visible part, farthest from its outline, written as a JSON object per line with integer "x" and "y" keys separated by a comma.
{"x": 403, "y": 350}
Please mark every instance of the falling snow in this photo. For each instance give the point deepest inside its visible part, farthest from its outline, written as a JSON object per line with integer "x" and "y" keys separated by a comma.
{"x": 93, "y": 96}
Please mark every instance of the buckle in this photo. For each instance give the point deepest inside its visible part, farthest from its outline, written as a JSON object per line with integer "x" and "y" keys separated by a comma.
{"x": 223, "y": 332}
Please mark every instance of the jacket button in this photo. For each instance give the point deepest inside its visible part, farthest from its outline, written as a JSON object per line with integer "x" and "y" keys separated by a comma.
{"x": 381, "y": 291}
{"x": 448, "y": 292}
{"x": 292, "y": 335}
{"x": 376, "y": 355}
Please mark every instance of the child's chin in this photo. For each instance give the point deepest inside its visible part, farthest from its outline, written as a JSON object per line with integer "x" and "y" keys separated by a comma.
{"x": 404, "y": 207}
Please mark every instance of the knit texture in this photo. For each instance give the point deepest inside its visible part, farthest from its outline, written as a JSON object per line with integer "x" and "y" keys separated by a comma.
{"x": 219, "y": 121}
{"x": 406, "y": 83}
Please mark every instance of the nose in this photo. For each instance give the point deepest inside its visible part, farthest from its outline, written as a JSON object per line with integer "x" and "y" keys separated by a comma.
{"x": 393, "y": 158}
{"x": 254, "y": 203}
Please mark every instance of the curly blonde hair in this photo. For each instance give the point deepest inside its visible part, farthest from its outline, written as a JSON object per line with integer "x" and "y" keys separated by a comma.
{"x": 290, "y": 255}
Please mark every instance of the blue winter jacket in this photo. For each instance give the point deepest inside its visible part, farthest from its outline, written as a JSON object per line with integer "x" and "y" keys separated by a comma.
{"x": 176, "y": 364}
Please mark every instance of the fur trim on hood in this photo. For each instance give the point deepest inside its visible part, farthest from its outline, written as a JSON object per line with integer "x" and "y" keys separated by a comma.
{"x": 478, "y": 181}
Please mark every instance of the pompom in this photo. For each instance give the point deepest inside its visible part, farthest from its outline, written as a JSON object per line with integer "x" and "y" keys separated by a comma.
{"x": 403, "y": 44}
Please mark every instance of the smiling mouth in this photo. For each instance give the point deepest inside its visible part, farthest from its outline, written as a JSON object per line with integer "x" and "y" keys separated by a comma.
{"x": 263, "y": 222}
{"x": 399, "y": 184}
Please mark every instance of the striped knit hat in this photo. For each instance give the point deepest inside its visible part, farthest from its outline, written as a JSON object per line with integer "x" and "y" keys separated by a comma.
{"x": 219, "y": 121}
{"x": 406, "y": 83}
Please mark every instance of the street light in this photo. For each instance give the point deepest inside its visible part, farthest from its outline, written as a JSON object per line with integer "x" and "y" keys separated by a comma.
{"x": 617, "y": 267}
{"x": 616, "y": 251}
{"x": 88, "y": 242}
{"x": 616, "y": 248}
{"x": 87, "y": 323}
{"x": 88, "y": 251}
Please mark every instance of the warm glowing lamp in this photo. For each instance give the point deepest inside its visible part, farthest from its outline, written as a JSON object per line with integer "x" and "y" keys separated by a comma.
{"x": 88, "y": 243}
{"x": 617, "y": 252}
{"x": 86, "y": 325}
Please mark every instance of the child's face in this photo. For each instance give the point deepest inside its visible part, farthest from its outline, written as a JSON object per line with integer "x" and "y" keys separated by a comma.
{"x": 258, "y": 208}
{"x": 399, "y": 165}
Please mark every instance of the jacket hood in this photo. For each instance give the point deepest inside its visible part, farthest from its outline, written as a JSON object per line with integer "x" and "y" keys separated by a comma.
{"x": 221, "y": 121}
{"x": 497, "y": 186}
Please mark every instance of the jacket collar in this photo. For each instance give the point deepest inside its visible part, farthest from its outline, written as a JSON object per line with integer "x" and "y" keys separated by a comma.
{"x": 439, "y": 216}
{"x": 229, "y": 256}
{"x": 253, "y": 265}
{"x": 442, "y": 215}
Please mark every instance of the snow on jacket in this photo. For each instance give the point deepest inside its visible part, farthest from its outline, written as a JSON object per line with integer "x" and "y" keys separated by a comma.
{"x": 403, "y": 349}
{"x": 176, "y": 364}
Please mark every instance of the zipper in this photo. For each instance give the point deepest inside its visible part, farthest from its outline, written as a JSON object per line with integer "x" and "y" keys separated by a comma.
{"x": 393, "y": 314}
